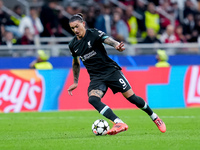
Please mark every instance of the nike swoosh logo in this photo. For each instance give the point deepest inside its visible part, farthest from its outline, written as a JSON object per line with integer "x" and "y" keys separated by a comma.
{"x": 76, "y": 51}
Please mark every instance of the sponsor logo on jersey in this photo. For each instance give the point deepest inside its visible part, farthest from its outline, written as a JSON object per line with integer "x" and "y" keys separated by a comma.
{"x": 20, "y": 91}
{"x": 88, "y": 55}
{"x": 192, "y": 86}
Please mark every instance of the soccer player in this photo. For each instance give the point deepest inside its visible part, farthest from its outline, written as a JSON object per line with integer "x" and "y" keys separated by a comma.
{"x": 104, "y": 73}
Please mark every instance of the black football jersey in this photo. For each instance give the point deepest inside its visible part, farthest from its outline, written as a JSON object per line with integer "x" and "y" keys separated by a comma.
{"x": 93, "y": 54}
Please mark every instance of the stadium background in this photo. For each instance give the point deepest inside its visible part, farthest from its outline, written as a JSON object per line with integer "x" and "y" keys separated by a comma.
{"x": 38, "y": 90}
{"x": 24, "y": 89}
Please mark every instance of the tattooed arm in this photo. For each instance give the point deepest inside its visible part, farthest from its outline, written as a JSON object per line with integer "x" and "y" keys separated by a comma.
{"x": 118, "y": 46}
{"x": 76, "y": 71}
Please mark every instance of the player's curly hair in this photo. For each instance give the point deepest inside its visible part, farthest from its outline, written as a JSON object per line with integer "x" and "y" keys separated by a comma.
{"x": 75, "y": 17}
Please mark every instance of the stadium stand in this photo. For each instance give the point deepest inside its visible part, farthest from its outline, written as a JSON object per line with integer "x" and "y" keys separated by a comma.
{"x": 181, "y": 15}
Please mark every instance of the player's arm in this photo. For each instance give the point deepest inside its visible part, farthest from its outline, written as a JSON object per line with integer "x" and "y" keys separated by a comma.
{"x": 76, "y": 68}
{"x": 118, "y": 46}
{"x": 76, "y": 71}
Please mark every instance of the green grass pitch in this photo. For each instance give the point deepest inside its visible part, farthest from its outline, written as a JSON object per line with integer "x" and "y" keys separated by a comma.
{"x": 71, "y": 130}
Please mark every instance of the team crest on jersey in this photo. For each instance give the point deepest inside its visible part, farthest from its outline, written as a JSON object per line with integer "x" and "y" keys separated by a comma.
{"x": 89, "y": 45}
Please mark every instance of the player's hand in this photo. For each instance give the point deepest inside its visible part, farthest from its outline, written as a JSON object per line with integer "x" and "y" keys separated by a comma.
{"x": 71, "y": 88}
{"x": 120, "y": 47}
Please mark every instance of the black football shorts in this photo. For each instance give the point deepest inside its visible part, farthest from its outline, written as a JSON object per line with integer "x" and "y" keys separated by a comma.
{"x": 116, "y": 81}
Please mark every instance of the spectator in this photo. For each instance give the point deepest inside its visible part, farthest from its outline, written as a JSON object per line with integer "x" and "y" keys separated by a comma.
{"x": 119, "y": 10}
{"x": 41, "y": 62}
{"x": 151, "y": 37}
{"x": 49, "y": 19}
{"x": 194, "y": 37}
{"x": 179, "y": 34}
{"x": 177, "y": 11}
{"x": 2, "y": 32}
{"x": 32, "y": 22}
{"x": 119, "y": 28}
{"x": 73, "y": 8}
{"x": 152, "y": 19}
{"x": 27, "y": 38}
{"x": 63, "y": 26}
{"x": 162, "y": 59}
{"x": 169, "y": 36}
{"x": 155, "y": 2}
{"x": 188, "y": 27}
{"x": 167, "y": 21}
{"x": 7, "y": 22}
{"x": 140, "y": 9}
{"x": 18, "y": 10}
{"x": 189, "y": 8}
{"x": 188, "y": 24}
{"x": 9, "y": 39}
{"x": 197, "y": 26}
{"x": 165, "y": 5}
{"x": 132, "y": 24}
{"x": 103, "y": 21}
{"x": 164, "y": 21}
{"x": 90, "y": 19}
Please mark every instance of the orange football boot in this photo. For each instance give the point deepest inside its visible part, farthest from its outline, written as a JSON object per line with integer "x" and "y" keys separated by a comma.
{"x": 117, "y": 128}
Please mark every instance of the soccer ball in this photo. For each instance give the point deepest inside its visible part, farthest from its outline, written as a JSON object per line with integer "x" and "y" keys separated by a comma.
{"x": 100, "y": 127}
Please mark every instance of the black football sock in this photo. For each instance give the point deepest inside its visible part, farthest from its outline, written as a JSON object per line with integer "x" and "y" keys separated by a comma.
{"x": 108, "y": 113}
{"x": 140, "y": 103}
{"x": 102, "y": 108}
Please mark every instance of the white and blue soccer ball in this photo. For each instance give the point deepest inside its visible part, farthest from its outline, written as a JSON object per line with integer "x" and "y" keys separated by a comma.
{"x": 100, "y": 127}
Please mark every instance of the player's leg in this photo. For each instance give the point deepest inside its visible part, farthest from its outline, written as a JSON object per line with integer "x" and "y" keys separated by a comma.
{"x": 119, "y": 83}
{"x": 140, "y": 103}
{"x": 95, "y": 100}
{"x": 96, "y": 91}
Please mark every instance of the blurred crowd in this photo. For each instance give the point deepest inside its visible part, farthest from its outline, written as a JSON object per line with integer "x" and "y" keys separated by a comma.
{"x": 133, "y": 21}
